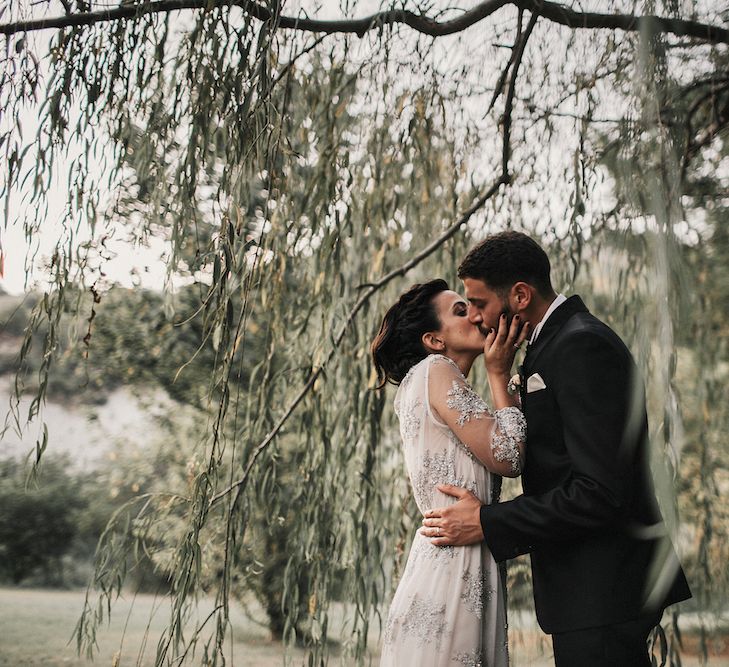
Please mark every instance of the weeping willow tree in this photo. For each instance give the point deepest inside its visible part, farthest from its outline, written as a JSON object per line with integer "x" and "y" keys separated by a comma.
{"x": 303, "y": 171}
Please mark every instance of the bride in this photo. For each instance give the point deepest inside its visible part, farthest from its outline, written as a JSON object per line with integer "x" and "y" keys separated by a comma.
{"x": 448, "y": 608}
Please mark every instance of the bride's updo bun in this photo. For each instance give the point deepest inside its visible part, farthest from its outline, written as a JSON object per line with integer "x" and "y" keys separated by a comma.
{"x": 398, "y": 345}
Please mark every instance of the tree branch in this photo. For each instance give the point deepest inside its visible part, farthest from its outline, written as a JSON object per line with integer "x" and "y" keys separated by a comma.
{"x": 650, "y": 23}
{"x": 509, "y": 102}
{"x": 551, "y": 11}
{"x": 503, "y": 179}
{"x": 499, "y": 88}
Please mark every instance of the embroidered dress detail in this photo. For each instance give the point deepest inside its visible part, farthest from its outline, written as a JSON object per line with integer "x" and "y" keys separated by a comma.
{"x": 477, "y": 591}
{"x": 426, "y": 621}
{"x": 471, "y": 659}
{"x": 437, "y": 469}
{"x": 466, "y": 401}
{"x": 448, "y": 607}
{"x": 509, "y": 431}
{"x": 410, "y": 419}
{"x": 442, "y": 359}
{"x": 423, "y": 548}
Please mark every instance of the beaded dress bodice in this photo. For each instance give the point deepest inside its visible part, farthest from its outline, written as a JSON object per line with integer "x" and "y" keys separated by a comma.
{"x": 449, "y": 605}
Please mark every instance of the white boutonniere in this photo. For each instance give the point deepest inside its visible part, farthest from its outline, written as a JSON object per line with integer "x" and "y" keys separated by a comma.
{"x": 514, "y": 384}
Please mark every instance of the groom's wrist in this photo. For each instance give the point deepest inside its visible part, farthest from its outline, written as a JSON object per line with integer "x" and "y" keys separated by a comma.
{"x": 482, "y": 520}
{"x": 479, "y": 522}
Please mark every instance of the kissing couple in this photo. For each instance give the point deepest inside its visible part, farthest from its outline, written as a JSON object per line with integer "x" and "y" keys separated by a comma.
{"x": 573, "y": 424}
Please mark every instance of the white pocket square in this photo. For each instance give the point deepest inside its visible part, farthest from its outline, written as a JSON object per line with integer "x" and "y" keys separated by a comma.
{"x": 535, "y": 383}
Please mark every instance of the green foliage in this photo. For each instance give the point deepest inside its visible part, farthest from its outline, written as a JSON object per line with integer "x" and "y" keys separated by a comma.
{"x": 294, "y": 181}
{"x": 51, "y": 522}
{"x": 680, "y": 185}
{"x": 38, "y": 524}
{"x": 129, "y": 340}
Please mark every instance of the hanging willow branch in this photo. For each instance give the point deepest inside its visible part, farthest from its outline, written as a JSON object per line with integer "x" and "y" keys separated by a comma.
{"x": 371, "y": 289}
{"x": 551, "y": 11}
{"x": 224, "y": 109}
{"x": 504, "y": 178}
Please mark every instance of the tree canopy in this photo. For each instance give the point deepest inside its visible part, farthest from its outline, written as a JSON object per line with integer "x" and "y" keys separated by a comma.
{"x": 304, "y": 170}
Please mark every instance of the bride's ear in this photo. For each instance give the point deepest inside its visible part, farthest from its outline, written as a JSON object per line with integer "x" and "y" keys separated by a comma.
{"x": 432, "y": 342}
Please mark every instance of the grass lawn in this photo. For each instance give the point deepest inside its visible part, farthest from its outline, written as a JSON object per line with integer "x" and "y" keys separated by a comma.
{"x": 36, "y": 628}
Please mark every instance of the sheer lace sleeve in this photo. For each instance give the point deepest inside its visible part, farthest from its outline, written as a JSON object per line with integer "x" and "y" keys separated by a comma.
{"x": 509, "y": 437}
{"x": 497, "y": 439}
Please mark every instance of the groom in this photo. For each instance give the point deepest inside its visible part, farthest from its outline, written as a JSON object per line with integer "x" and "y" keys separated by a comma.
{"x": 603, "y": 568}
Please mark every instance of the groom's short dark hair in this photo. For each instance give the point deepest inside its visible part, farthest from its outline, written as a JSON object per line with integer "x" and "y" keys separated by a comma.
{"x": 506, "y": 258}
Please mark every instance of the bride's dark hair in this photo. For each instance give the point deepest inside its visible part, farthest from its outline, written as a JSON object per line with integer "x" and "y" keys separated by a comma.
{"x": 398, "y": 345}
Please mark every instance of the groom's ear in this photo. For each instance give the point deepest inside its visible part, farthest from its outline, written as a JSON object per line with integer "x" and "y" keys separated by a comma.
{"x": 521, "y": 295}
{"x": 432, "y": 343}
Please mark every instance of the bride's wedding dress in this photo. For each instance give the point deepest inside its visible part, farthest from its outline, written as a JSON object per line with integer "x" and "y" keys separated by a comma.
{"x": 449, "y": 605}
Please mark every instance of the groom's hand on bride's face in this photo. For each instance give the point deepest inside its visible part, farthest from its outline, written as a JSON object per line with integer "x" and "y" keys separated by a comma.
{"x": 456, "y": 525}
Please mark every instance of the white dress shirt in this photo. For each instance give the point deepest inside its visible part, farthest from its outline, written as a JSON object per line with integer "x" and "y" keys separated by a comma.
{"x": 559, "y": 300}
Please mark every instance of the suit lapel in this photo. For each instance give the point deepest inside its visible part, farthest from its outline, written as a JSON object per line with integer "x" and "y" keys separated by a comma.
{"x": 554, "y": 323}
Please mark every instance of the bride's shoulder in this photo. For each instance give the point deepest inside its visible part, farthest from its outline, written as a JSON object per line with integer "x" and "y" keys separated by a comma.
{"x": 441, "y": 360}
{"x": 414, "y": 369}
{"x": 423, "y": 368}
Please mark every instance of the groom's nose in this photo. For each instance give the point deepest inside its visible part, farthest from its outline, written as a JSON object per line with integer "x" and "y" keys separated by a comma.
{"x": 474, "y": 315}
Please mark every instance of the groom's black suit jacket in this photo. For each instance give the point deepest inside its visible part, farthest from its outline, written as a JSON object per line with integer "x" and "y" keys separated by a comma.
{"x": 588, "y": 515}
